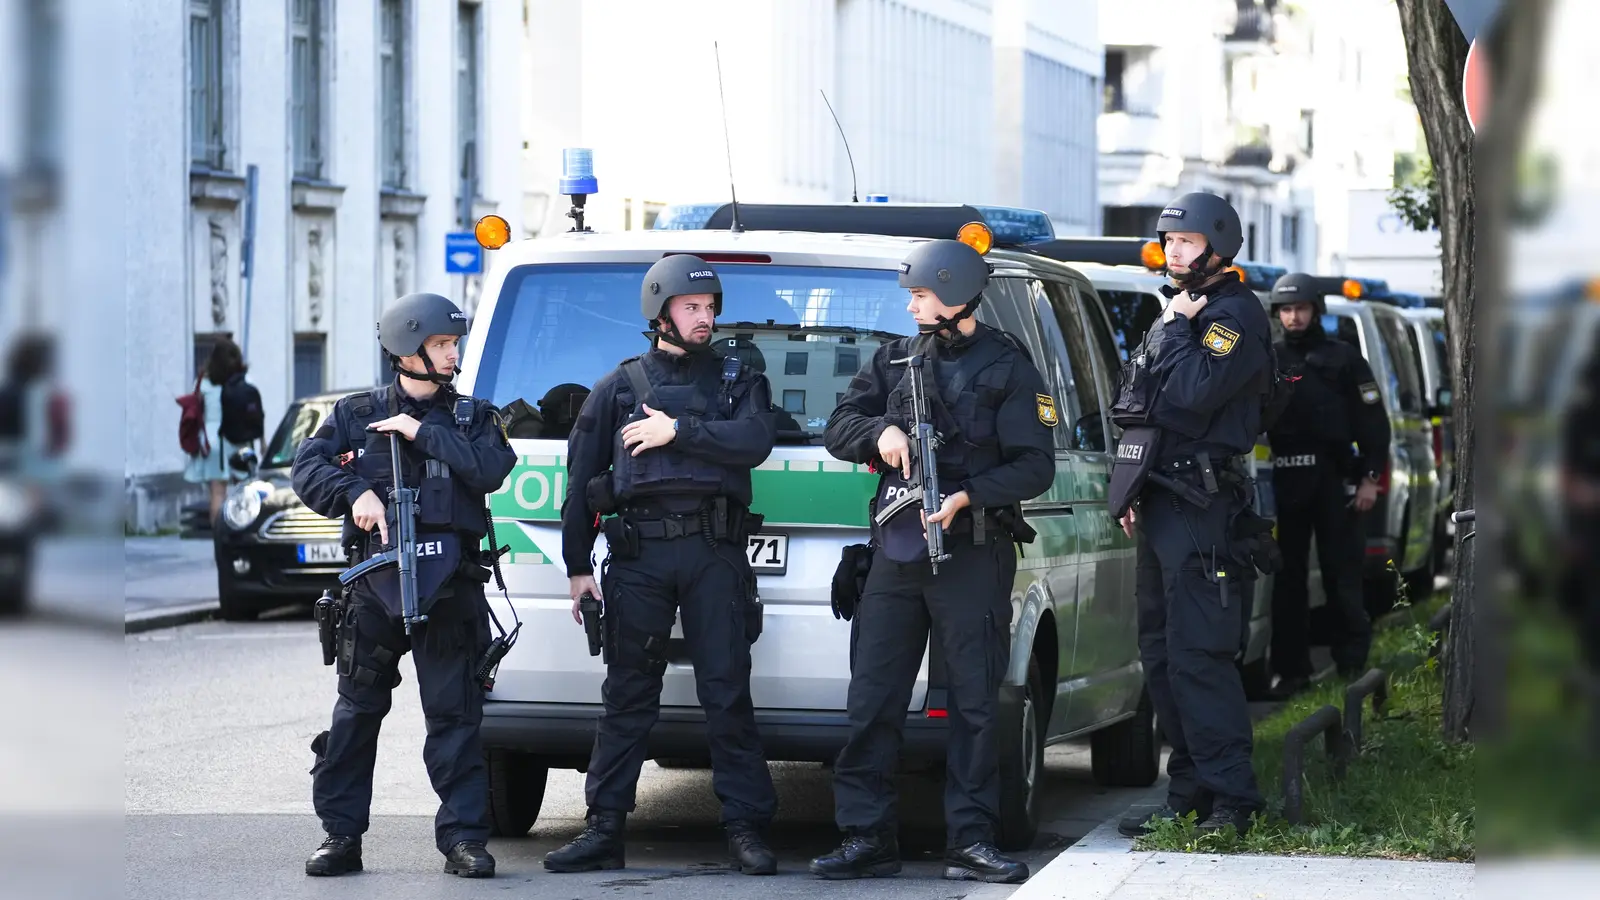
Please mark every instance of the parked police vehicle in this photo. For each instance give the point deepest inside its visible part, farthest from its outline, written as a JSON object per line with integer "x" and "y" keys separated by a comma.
{"x": 815, "y": 290}
{"x": 270, "y": 549}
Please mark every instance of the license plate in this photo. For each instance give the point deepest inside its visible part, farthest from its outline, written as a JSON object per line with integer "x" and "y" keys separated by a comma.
{"x": 769, "y": 553}
{"x": 321, "y": 553}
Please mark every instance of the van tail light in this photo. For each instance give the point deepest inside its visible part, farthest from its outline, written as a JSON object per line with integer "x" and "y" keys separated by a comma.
{"x": 1386, "y": 478}
{"x": 938, "y": 714}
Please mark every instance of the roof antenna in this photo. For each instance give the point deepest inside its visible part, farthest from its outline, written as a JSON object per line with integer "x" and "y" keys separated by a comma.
{"x": 727, "y": 144}
{"x": 846, "y": 146}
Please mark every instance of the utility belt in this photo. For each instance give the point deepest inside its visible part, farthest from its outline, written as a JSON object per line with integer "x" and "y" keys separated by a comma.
{"x": 718, "y": 519}
{"x": 1180, "y": 476}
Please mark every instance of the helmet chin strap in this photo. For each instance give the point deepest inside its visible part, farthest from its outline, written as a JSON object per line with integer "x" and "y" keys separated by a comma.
{"x": 948, "y": 324}
{"x": 431, "y": 376}
{"x": 674, "y": 337}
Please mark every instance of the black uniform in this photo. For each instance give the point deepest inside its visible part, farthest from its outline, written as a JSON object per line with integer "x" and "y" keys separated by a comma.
{"x": 333, "y": 468}
{"x": 1195, "y": 580}
{"x": 676, "y": 543}
{"x": 998, "y": 449}
{"x": 1336, "y": 402}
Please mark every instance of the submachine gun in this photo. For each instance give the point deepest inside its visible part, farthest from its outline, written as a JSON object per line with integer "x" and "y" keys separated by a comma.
{"x": 925, "y": 468}
{"x": 404, "y": 553}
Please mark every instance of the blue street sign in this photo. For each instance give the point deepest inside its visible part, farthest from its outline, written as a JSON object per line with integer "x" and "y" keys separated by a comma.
{"x": 462, "y": 254}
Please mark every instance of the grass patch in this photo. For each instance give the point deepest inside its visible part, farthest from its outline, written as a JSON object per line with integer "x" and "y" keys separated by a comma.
{"x": 1408, "y": 795}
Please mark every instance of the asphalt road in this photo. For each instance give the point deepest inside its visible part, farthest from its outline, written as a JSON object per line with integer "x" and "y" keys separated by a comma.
{"x": 217, "y": 796}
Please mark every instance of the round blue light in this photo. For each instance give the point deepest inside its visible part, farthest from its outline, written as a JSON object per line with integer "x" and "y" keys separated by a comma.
{"x": 577, "y": 172}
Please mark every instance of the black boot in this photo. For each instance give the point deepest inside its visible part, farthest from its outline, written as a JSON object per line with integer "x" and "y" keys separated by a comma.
{"x": 337, "y": 855}
{"x": 1237, "y": 817}
{"x": 858, "y": 856}
{"x": 1139, "y": 826}
{"x": 983, "y": 862}
{"x": 751, "y": 855}
{"x": 469, "y": 859}
{"x": 599, "y": 846}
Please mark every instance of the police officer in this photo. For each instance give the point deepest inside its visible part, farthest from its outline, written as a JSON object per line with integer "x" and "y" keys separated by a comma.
{"x": 1335, "y": 402}
{"x": 990, "y": 405}
{"x": 1190, "y": 407}
{"x": 663, "y": 449}
{"x": 455, "y": 453}
{"x": 1580, "y": 492}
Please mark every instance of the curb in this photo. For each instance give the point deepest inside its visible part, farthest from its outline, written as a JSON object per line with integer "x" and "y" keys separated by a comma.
{"x": 1092, "y": 868}
{"x": 170, "y": 617}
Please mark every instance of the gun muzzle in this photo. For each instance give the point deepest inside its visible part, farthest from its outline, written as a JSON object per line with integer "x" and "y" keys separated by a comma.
{"x": 591, "y": 610}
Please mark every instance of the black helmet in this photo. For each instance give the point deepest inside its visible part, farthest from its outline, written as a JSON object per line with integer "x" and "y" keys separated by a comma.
{"x": 1298, "y": 287}
{"x": 411, "y": 320}
{"x": 680, "y": 273}
{"x": 742, "y": 349}
{"x": 954, "y": 272}
{"x": 1205, "y": 214}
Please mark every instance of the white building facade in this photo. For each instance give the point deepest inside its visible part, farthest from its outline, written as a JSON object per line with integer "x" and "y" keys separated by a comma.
{"x": 971, "y": 101}
{"x": 1281, "y": 108}
{"x": 366, "y": 123}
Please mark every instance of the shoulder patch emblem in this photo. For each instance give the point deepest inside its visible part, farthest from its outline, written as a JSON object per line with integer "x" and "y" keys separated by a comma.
{"x": 1219, "y": 340}
{"x": 1369, "y": 393}
{"x": 1047, "y": 410}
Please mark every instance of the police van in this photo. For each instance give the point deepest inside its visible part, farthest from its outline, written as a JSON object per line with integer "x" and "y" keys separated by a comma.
{"x": 809, "y": 293}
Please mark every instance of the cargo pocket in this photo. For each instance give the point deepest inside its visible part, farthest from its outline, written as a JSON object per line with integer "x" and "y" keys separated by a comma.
{"x": 1200, "y": 621}
{"x": 319, "y": 749}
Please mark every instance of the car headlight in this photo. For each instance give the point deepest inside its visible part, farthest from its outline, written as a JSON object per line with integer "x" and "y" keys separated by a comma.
{"x": 243, "y": 504}
{"x": 16, "y": 505}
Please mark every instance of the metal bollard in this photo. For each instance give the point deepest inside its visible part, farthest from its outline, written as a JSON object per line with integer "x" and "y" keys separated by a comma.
{"x": 1376, "y": 683}
{"x": 1326, "y": 721}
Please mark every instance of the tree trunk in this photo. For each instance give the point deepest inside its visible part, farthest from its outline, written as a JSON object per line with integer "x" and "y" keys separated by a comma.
{"x": 1473, "y": 219}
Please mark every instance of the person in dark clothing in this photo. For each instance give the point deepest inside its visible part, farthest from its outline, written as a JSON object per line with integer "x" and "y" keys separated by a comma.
{"x": 1190, "y": 406}
{"x": 660, "y": 460}
{"x": 456, "y": 452}
{"x": 989, "y": 403}
{"x": 1320, "y": 485}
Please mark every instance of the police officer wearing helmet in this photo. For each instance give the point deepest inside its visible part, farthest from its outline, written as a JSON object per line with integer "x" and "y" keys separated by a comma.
{"x": 1321, "y": 486}
{"x": 994, "y": 417}
{"x": 1190, "y": 406}
{"x": 455, "y": 453}
{"x": 661, "y": 456}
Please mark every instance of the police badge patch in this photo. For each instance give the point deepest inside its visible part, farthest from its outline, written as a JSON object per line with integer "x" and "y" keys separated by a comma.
{"x": 1047, "y": 410}
{"x": 1369, "y": 393}
{"x": 1220, "y": 341}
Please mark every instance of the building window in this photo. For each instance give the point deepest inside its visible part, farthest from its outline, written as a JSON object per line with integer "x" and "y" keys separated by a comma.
{"x": 308, "y": 43}
{"x": 796, "y": 363}
{"x": 394, "y": 67}
{"x": 1116, "y": 64}
{"x": 1307, "y": 132}
{"x": 42, "y": 135}
{"x": 652, "y": 211}
{"x": 1291, "y": 233}
{"x": 846, "y": 360}
{"x": 310, "y": 357}
{"x": 467, "y": 64}
{"x": 206, "y": 144}
{"x": 794, "y": 402}
{"x": 1252, "y": 242}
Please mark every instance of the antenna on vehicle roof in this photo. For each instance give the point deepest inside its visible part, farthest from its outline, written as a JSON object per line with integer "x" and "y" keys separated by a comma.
{"x": 846, "y": 146}
{"x": 727, "y": 144}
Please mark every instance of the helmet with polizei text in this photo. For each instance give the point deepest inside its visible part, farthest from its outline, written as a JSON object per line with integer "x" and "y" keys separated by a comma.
{"x": 676, "y": 275}
{"x": 1205, "y": 214}
{"x": 409, "y": 321}
{"x": 953, "y": 271}
{"x": 1298, "y": 287}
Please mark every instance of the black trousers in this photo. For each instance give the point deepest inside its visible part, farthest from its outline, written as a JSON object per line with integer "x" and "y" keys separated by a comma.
{"x": 444, "y": 650}
{"x": 967, "y": 607}
{"x": 1190, "y": 631}
{"x": 1312, "y": 501}
{"x": 709, "y": 587}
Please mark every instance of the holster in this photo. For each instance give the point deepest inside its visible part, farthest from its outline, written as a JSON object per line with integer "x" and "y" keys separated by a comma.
{"x": 328, "y": 612}
{"x": 599, "y": 493}
{"x": 1251, "y": 536}
{"x": 850, "y": 579}
{"x": 754, "y": 613}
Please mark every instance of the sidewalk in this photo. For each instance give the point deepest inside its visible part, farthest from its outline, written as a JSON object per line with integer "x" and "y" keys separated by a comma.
{"x": 1103, "y": 866}
{"x": 168, "y": 581}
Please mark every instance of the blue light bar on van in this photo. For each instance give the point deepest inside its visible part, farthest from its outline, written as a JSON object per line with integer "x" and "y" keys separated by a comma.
{"x": 1013, "y": 225}
{"x": 577, "y": 172}
{"x": 1260, "y": 276}
{"x": 877, "y": 198}
{"x": 685, "y": 216}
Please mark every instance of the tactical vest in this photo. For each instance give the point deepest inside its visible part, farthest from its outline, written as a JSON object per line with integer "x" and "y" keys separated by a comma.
{"x": 667, "y": 470}
{"x": 1319, "y": 413}
{"x": 965, "y": 396}
{"x": 444, "y": 503}
{"x": 1138, "y": 384}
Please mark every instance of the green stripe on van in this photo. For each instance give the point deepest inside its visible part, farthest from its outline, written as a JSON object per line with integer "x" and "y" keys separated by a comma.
{"x": 794, "y": 492}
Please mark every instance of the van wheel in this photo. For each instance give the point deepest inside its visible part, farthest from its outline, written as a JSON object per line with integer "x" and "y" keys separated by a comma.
{"x": 1021, "y": 761}
{"x": 1128, "y": 753}
{"x": 516, "y": 791}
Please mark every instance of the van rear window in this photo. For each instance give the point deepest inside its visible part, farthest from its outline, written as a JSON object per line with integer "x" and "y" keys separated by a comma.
{"x": 558, "y": 328}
